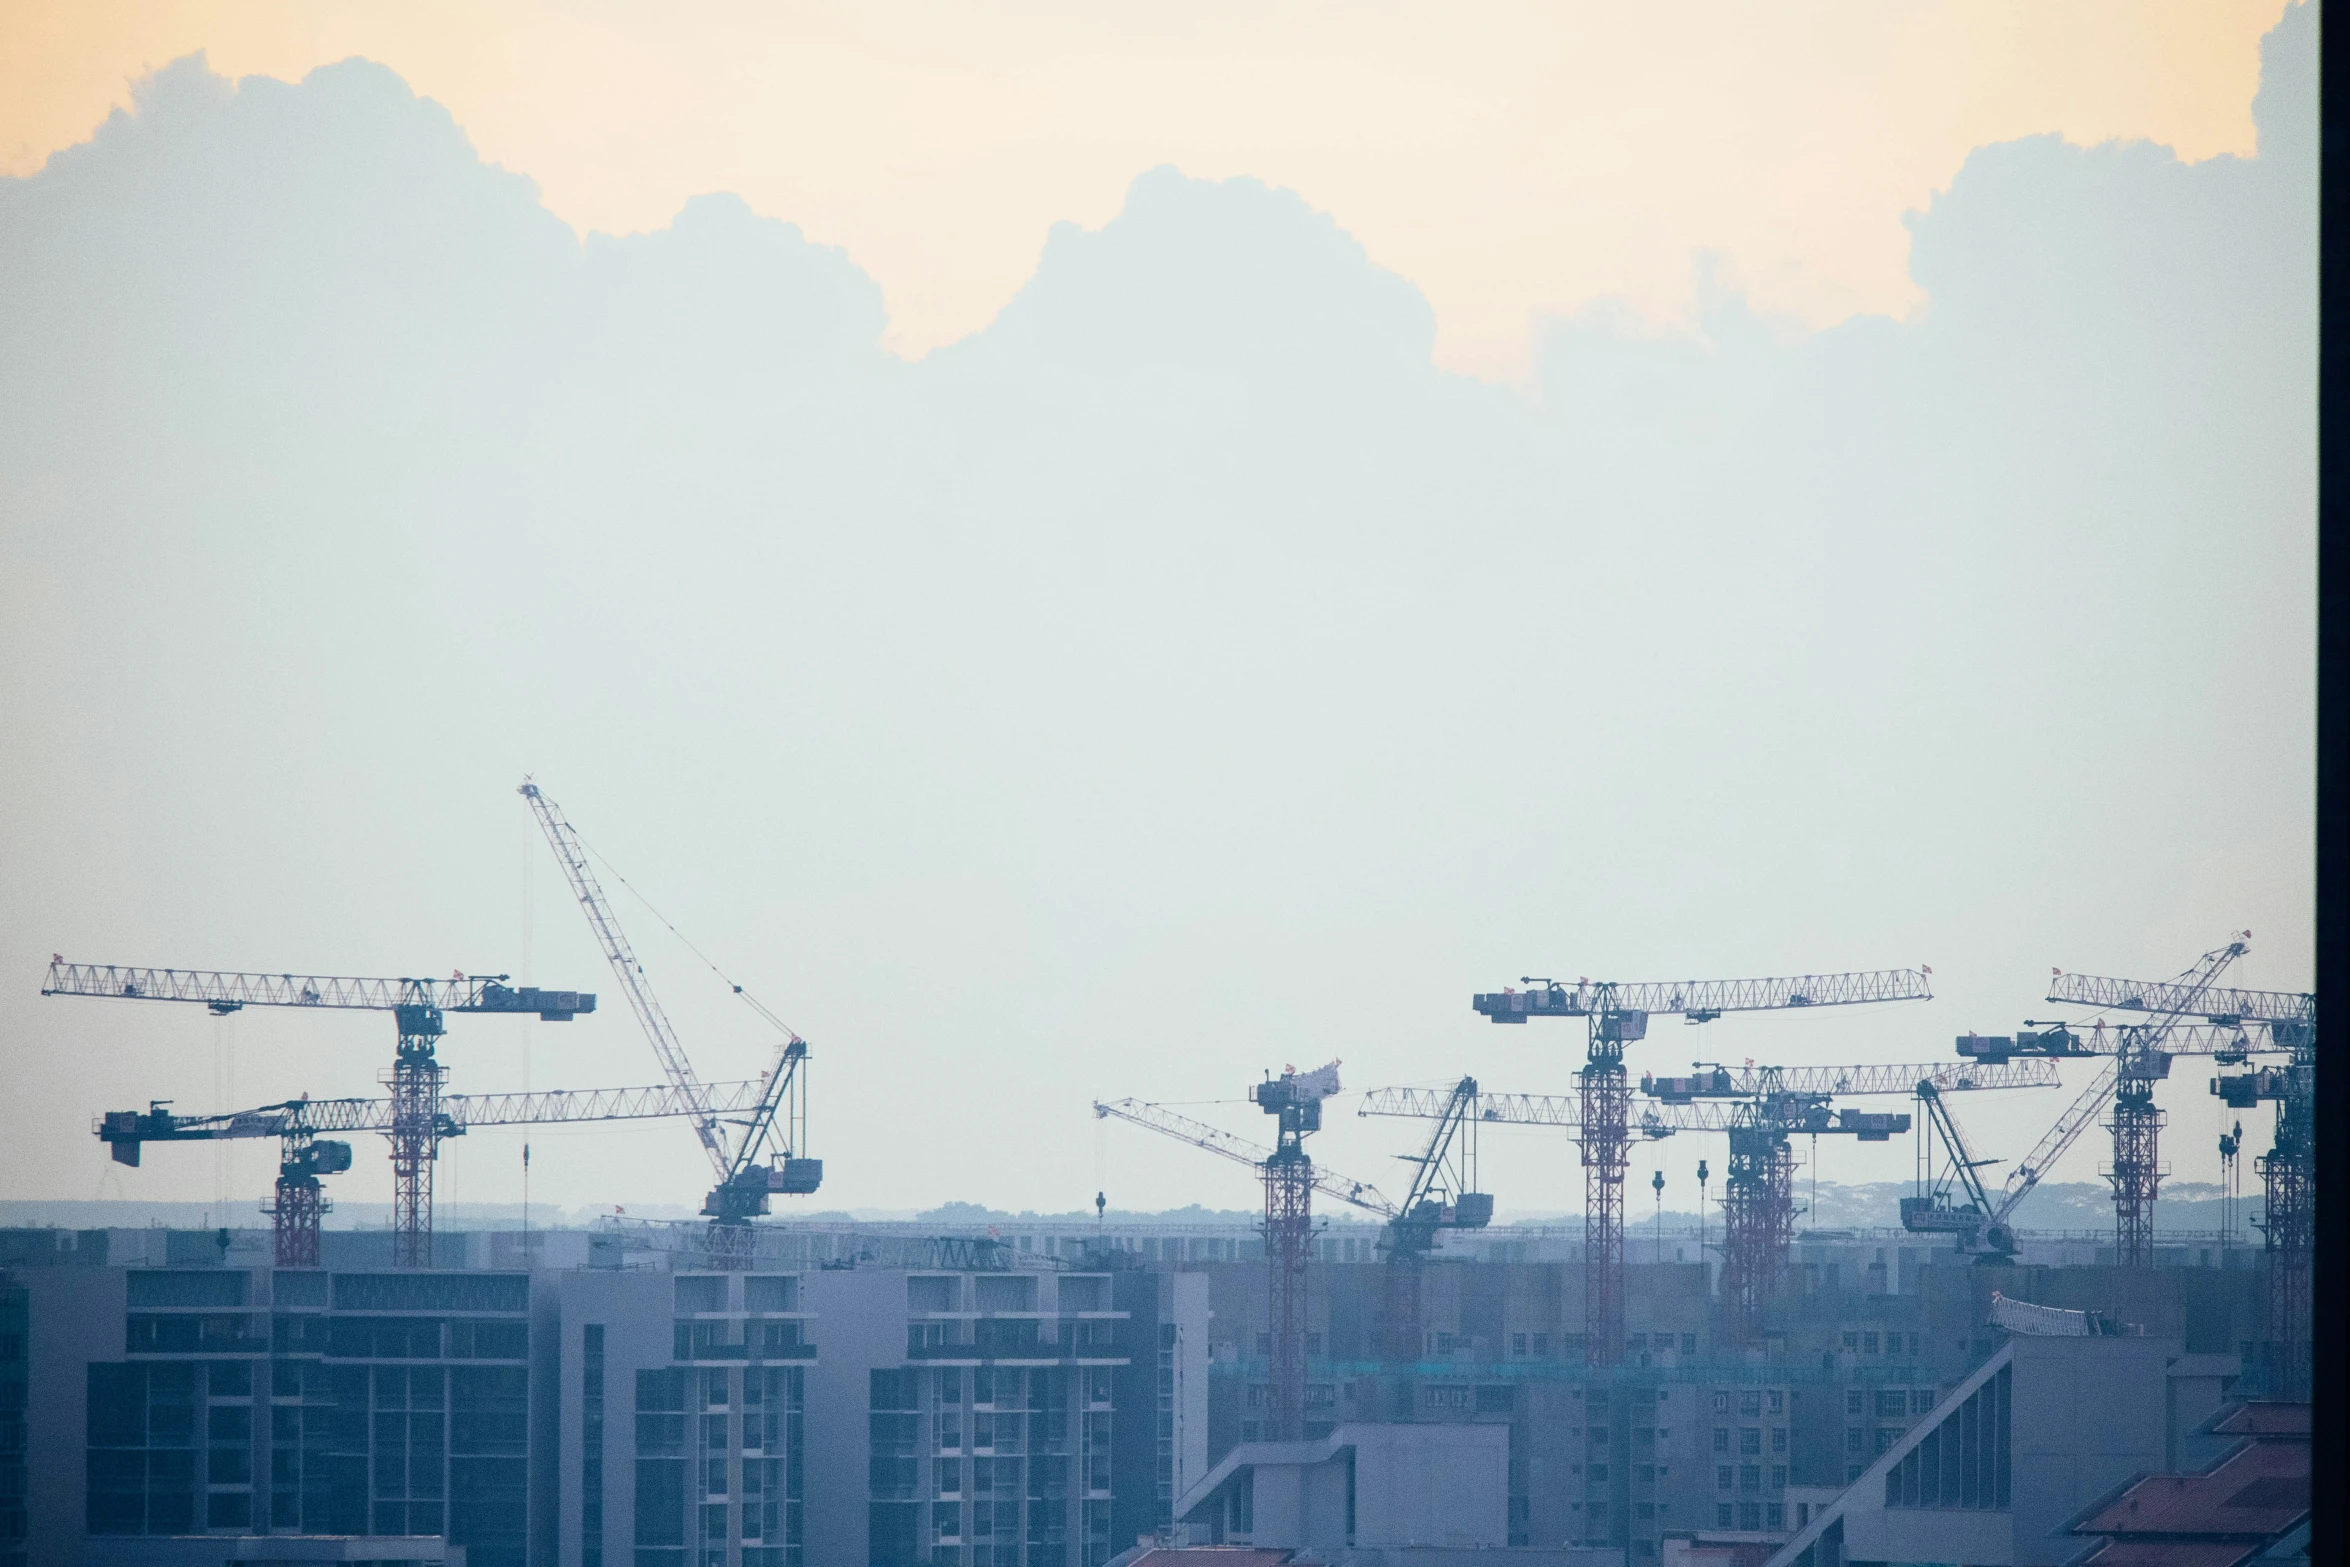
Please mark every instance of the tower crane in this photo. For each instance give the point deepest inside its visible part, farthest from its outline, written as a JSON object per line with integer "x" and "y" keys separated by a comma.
{"x": 1617, "y": 1014}
{"x": 2279, "y": 1021}
{"x": 414, "y": 1122}
{"x": 1760, "y": 1108}
{"x": 2139, "y": 1062}
{"x": 1770, "y": 1104}
{"x": 305, "y": 1154}
{"x": 2134, "y": 1057}
{"x": 1443, "y": 1196}
{"x": 765, "y": 1152}
{"x": 1439, "y": 1199}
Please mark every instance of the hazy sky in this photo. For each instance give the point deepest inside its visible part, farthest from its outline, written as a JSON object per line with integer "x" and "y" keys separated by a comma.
{"x": 1515, "y": 161}
{"x": 1185, "y": 672}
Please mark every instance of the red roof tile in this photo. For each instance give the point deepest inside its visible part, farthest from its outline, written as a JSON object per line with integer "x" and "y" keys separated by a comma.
{"x": 2258, "y": 1491}
{"x": 2170, "y": 1553}
{"x": 2264, "y": 1420}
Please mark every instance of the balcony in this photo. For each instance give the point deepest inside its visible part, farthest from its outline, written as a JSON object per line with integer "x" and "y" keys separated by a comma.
{"x": 733, "y": 1339}
{"x": 1031, "y": 1338}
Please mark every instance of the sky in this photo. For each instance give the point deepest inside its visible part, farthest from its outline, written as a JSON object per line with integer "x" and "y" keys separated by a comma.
{"x": 1516, "y": 161}
{"x": 1184, "y": 655}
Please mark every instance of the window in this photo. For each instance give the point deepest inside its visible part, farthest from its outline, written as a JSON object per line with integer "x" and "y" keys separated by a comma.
{"x": 1855, "y": 1402}
{"x": 1868, "y": 1343}
{"x": 1637, "y": 1341}
{"x": 1892, "y": 1403}
{"x": 1518, "y": 1345}
{"x": 698, "y": 1292}
{"x": 1541, "y": 1344}
{"x": 1644, "y": 1473}
{"x": 1722, "y": 1477}
{"x": 1921, "y": 1399}
{"x": 1599, "y": 1474}
{"x": 1885, "y": 1438}
{"x": 1778, "y": 1477}
{"x": 1852, "y": 1341}
{"x": 1724, "y": 1518}
{"x": 1776, "y": 1513}
{"x": 591, "y": 1445}
{"x": 1750, "y": 1477}
{"x": 1851, "y": 1473}
{"x": 1750, "y": 1440}
{"x": 1778, "y": 1439}
{"x": 1963, "y": 1461}
{"x": 1913, "y": 1343}
{"x": 1688, "y": 1343}
{"x": 1721, "y": 1402}
{"x": 1854, "y": 1439}
{"x": 1778, "y": 1397}
{"x": 1750, "y": 1515}
{"x": 1750, "y": 1402}
{"x": 1721, "y": 1439}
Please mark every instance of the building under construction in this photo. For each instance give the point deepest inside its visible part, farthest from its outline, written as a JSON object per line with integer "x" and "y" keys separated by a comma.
{"x": 868, "y": 1395}
{"x": 778, "y": 1394}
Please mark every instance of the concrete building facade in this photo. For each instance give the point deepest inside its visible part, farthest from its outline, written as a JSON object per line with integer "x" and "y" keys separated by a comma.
{"x": 615, "y": 1405}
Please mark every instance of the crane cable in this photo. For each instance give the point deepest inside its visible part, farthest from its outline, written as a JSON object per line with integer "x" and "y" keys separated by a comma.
{"x": 749, "y": 1000}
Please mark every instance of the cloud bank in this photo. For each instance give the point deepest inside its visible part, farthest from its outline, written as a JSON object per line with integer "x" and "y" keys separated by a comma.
{"x": 1177, "y": 678}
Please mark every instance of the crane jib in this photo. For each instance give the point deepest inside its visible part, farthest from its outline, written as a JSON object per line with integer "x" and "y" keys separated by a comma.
{"x": 231, "y": 992}
{"x": 1701, "y": 999}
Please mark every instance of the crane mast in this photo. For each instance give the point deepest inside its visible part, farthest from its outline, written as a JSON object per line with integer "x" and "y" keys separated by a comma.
{"x": 2288, "y": 1170}
{"x": 2140, "y": 1061}
{"x": 1294, "y": 1099}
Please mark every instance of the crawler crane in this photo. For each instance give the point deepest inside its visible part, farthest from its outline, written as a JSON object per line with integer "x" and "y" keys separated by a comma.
{"x": 753, "y": 1156}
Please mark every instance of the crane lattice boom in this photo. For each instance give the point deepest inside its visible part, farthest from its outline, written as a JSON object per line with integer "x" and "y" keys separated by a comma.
{"x": 1703, "y": 998}
{"x": 225, "y": 992}
{"x": 2077, "y": 1118}
{"x": 463, "y": 1110}
{"x": 1240, "y": 1150}
{"x": 2182, "y": 997}
{"x": 571, "y": 854}
{"x": 1852, "y": 1081}
{"x": 1793, "y": 1112}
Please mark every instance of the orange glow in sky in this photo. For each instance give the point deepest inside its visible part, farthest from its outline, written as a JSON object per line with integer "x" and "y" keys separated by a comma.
{"x": 1516, "y": 161}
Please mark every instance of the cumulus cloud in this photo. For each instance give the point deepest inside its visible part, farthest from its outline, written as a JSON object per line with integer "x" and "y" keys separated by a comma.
{"x": 1179, "y": 677}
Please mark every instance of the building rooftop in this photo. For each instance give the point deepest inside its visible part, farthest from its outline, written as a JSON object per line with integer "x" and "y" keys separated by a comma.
{"x": 2233, "y": 1512}
{"x": 2264, "y": 1419}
